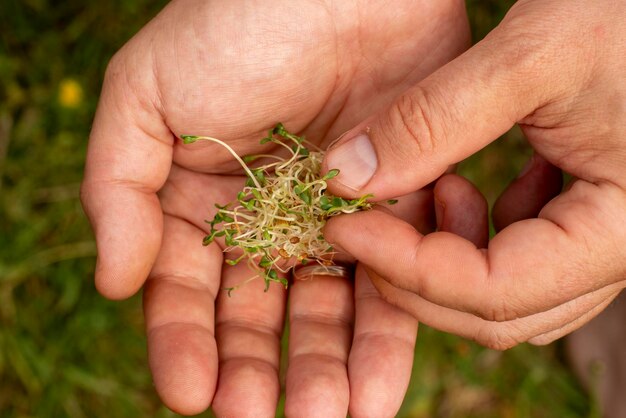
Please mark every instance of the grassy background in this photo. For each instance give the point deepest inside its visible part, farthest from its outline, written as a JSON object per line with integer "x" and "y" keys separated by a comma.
{"x": 65, "y": 351}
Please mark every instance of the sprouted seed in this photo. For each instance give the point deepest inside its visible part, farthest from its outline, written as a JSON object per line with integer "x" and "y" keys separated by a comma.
{"x": 279, "y": 215}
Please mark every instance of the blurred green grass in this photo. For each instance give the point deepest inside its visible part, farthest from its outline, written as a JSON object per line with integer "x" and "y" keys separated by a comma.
{"x": 65, "y": 351}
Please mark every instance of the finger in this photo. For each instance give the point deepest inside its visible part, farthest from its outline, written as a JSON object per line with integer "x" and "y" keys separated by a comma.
{"x": 462, "y": 209}
{"x": 496, "y": 335}
{"x": 381, "y": 357}
{"x": 179, "y": 300}
{"x": 551, "y": 336}
{"x": 128, "y": 159}
{"x": 531, "y": 266}
{"x": 537, "y": 184}
{"x": 321, "y": 314}
{"x": 460, "y": 108}
{"x": 249, "y": 325}
{"x": 417, "y": 209}
{"x": 379, "y": 365}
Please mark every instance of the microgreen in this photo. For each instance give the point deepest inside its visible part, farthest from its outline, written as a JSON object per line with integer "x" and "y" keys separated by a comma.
{"x": 280, "y": 213}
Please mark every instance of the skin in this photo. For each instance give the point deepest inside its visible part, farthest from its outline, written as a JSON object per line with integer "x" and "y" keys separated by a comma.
{"x": 556, "y": 67}
{"x": 232, "y": 69}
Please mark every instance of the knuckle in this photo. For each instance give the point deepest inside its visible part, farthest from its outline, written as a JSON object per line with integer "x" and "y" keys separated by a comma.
{"x": 496, "y": 337}
{"x": 499, "y": 305}
{"x": 132, "y": 82}
{"x": 115, "y": 69}
{"x": 497, "y": 311}
{"x": 83, "y": 193}
{"x": 86, "y": 196}
{"x": 410, "y": 115}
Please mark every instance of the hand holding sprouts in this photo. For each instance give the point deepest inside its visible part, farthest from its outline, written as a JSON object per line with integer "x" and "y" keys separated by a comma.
{"x": 279, "y": 215}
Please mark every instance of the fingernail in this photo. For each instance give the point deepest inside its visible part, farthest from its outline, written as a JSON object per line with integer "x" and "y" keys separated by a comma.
{"x": 355, "y": 159}
{"x": 527, "y": 167}
{"x": 440, "y": 209}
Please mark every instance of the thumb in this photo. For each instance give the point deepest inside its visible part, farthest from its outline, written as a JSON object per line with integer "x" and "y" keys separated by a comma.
{"x": 451, "y": 114}
{"x": 128, "y": 160}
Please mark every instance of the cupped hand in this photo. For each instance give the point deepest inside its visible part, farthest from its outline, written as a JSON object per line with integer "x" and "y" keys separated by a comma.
{"x": 556, "y": 67}
{"x": 232, "y": 69}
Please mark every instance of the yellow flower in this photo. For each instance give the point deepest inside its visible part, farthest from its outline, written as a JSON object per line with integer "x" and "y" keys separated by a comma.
{"x": 70, "y": 93}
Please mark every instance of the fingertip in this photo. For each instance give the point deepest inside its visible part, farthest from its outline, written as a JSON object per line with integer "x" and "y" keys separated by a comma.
{"x": 379, "y": 373}
{"x": 184, "y": 367}
{"x": 115, "y": 282}
{"x": 118, "y": 281}
{"x": 538, "y": 183}
{"x": 462, "y": 209}
{"x": 114, "y": 289}
{"x": 372, "y": 398}
{"x": 332, "y": 232}
{"x": 321, "y": 388}
{"x": 128, "y": 228}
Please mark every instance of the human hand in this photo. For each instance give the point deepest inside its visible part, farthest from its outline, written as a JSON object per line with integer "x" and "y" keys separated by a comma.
{"x": 232, "y": 70}
{"x": 555, "y": 67}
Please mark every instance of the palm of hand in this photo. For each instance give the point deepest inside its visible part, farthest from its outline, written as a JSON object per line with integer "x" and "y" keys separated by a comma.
{"x": 231, "y": 70}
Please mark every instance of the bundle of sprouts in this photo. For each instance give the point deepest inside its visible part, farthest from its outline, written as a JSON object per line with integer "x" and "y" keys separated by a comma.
{"x": 279, "y": 215}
